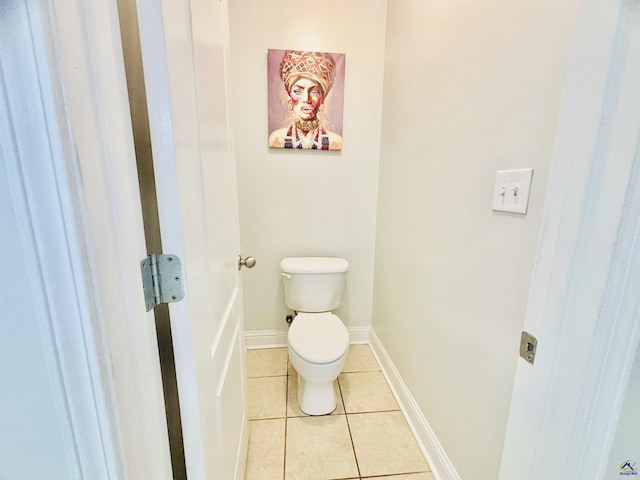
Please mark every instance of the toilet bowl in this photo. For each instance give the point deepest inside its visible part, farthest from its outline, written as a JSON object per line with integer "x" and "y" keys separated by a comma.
{"x": 318, "y": 344}
{"x": 318, "y": 341}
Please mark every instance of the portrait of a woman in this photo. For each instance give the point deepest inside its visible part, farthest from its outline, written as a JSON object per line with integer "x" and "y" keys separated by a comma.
{"x": 299, "y": 101}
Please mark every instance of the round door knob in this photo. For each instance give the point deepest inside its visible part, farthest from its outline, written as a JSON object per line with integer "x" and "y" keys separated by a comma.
{"x": 248, "y": 262}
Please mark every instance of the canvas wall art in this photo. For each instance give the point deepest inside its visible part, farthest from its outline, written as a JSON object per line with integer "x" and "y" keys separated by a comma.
{"x": 306, "y": 99}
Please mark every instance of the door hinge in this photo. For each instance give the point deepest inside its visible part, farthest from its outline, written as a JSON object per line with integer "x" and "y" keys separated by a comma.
{"x": 161, "y": 280}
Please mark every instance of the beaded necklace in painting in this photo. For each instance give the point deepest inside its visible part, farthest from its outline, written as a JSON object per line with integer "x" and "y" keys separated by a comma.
{"x": 314, "y": 139}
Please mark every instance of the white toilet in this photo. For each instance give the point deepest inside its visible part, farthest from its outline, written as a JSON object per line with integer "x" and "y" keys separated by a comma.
{"x": 318, "y": 340}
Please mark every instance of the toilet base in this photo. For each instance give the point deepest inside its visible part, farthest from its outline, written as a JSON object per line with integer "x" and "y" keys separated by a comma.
{"x": 316, "y": 398}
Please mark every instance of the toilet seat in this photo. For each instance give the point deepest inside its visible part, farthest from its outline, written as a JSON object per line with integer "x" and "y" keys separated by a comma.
{"x": 318, "y": 337}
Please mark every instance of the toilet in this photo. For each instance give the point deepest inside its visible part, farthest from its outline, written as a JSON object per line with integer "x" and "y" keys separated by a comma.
{"x": 318, "y": 341}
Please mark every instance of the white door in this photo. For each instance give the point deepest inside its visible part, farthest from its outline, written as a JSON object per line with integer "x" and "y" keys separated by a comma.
{"x": 184, "y": 52}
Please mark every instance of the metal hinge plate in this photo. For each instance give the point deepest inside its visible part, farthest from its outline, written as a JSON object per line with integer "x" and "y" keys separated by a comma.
{"x": 161, "y": 280}
{"x": 528, "y": 347}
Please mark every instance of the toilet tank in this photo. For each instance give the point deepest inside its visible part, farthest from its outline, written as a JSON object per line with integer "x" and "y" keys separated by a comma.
{"x": 313, "y": 284}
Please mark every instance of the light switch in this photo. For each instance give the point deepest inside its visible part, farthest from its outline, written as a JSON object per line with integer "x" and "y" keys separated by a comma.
{"x": 511, "y": 192}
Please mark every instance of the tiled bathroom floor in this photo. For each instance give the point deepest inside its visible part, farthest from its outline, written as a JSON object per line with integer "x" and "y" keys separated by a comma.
{"x": 366, "y": 437}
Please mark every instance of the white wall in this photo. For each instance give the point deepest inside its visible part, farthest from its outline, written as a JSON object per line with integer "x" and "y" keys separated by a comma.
{"x": 481, "y": 94}
{"x": 296, "y": 203}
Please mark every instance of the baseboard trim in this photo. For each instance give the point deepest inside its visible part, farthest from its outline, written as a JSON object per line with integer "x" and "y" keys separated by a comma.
{"x": 265, "y": 339}
{"x": 359, "y": 334}
{"x": 433, "y": 451}
{"x": 278, "y": 338}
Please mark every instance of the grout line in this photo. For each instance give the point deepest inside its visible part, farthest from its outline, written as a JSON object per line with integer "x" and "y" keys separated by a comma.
{"x": 346, "y": 416}
{"x": 392, "y": 475}
{"x": 266, "y": 418}
{"x": 376, "y": 411}
{"x": 286, "y": 422}
{"x": 266, "y": 376}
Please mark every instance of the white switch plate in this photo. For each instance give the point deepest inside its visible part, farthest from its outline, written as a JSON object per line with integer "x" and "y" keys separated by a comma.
{"x": 511, "y": 193}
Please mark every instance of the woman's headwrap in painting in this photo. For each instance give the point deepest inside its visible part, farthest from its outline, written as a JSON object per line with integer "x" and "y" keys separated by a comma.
{"x": 316, "y": 66}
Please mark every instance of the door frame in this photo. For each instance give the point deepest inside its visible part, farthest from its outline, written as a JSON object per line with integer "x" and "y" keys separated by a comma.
{"x": 40, "y": 161}
{"x": 583, "y": 299}
{"x": 86, "y": 46}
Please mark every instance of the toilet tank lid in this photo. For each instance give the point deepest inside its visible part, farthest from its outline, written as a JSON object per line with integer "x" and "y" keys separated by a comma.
{"x": 314, "y": 265}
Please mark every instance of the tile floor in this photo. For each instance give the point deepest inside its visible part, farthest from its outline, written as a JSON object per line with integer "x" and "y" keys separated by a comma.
{"x": 366, "y": 437}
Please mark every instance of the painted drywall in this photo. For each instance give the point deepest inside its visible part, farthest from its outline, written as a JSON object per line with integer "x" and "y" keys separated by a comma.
{"x": 480, "y": 94}
{"x": 298, "y": 203}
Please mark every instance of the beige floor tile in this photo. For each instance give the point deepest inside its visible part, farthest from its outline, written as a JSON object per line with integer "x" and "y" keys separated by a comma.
{"x": 366, "y": 392}
{"x": 384, "y": 444}
{"x": 411, "y": 476}
{"x": 265, "y": 459}
{"x": 360, "y": 359}
{"x": 267, "y": 362}
{"x": 319, "y": 448}
{"x": 267, "y": 397}
{"x": 293, "y": 408}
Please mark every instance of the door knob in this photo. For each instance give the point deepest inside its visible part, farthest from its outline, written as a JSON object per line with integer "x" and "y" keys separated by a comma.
{"x": 248, "y": 262}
